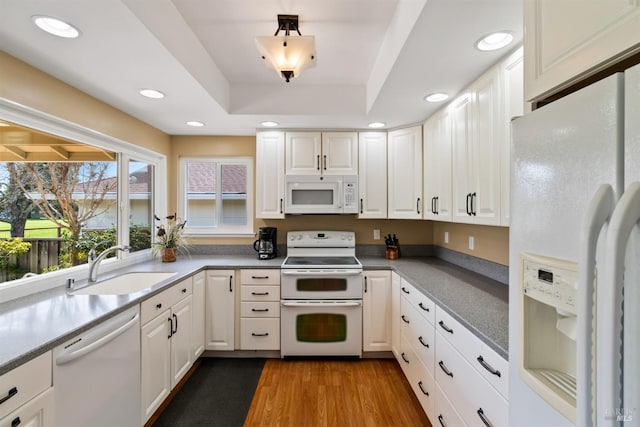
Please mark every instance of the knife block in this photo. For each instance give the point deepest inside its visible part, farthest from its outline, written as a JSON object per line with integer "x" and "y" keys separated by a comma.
{"x": 392, "y": 252}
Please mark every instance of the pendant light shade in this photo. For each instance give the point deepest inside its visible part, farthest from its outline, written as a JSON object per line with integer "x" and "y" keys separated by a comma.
{"x": 288, "y": 55}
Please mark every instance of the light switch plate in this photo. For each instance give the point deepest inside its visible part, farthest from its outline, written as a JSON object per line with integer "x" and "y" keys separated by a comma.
{"x": 471, "y": 243}
{"x": 376, "y": 234}
{"x": 446, "y": 237}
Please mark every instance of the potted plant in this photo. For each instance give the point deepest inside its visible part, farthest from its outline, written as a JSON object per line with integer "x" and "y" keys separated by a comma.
{"x": 169, "y": 238}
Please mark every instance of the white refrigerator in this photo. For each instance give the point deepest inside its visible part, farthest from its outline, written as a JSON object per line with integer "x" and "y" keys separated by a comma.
{"x": 575, "y": 197}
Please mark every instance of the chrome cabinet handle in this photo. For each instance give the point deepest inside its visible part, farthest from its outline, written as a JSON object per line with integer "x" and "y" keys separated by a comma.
{"x": 426, "y": 393}
{"x": 404, "y": 319}
{"x": 483, "y": 417}
{"x": 404, "y": 358}
{"x": 445, "y": 327}
{"x": 444, "y": 369}
{"x": 488, "y": 367}
{"x": 423, "y": 307}
{"x": 422, "y": 342}
{"x": 12, "y": 392}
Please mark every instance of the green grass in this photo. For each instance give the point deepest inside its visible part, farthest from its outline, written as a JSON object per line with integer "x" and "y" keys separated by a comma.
{"x": 37, "y": 228}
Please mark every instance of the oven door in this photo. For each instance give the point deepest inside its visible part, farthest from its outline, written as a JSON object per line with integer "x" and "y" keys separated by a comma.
{"x": 321, "y": 284}
{"x": 321, "y": 328}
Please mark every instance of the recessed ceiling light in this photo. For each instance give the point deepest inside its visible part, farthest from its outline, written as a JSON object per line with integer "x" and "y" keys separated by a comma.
{"x": 270, "y": 124}
{"x": 436, "y": 97}
{"x": 376, "y": 125}
{"x": 152, "y": 93}
{"x": 494, "y": 41}
{"x": 56, "y": 26}
{"x": 195, "y": 123}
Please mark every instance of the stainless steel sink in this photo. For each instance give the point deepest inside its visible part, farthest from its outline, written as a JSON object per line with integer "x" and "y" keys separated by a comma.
{"x": 126, "y": 283}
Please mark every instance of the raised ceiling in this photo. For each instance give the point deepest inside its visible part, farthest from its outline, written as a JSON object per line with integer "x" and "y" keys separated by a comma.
{"x": 377, "y": 59}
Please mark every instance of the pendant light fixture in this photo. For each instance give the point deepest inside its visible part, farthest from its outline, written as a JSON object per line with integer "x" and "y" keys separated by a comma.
{"x": 288, "y": 55}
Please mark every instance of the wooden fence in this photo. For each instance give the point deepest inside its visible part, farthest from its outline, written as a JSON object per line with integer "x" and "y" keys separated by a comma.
{"x": 44, "y": 253}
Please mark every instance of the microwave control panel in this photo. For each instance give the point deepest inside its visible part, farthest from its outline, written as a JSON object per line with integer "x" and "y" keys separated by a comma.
{"x": 350, "y": 192}
{"x": 550, "y": 281}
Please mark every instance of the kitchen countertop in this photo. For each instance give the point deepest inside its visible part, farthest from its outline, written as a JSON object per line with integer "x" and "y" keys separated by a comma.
{"x": 34, "y": 324}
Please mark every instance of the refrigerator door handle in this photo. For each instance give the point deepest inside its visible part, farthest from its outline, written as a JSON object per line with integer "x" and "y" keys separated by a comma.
{"x": 625, "y": 217}
{"x": 597, "y": 215}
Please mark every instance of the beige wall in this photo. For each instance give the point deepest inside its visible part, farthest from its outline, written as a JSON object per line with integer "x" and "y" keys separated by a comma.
{"x": 25, "y": 85}
{"x": 491, "y": 243}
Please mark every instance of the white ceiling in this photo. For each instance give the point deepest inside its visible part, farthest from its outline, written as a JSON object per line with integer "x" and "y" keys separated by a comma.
{"x": 376, "y": 59}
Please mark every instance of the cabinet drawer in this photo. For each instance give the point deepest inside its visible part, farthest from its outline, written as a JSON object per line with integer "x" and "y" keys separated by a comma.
{"x": 470, "y": 394}
{"x": 260, "y": 293}
{"x": 259, "y": 334}
{"x": 422, "y": 303}
{"x": 260, "y": 309}
{"x": 486, "y": 361}
{"x": 24, "y": 382}
{"x": 421, "y": 381}
{"x": 37, "y": 412}
{"x": 260, "y": 277}
{"x": 445, "y": 414}
{"x": 158, "y": 303}
{"x": 419, "y": 332}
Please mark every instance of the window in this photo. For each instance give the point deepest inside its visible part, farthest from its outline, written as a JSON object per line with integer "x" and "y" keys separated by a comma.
{"x": 216, "y": 195}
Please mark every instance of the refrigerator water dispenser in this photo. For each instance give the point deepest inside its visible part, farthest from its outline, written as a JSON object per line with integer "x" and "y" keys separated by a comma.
{"x": 548, "y": 335}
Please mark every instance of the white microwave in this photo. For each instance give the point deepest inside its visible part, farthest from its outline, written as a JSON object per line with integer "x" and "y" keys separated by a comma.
{"x": 314, "y": 194}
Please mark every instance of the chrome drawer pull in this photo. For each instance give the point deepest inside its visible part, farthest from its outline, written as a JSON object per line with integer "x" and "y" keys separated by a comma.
{"x": 422, "y": 342}
{"x": 426, "y": 393}
{"x": 484, "y": 419}
{"x": 12, "y": 392}
{"x": 404, "y": 319}
{"x": 488, "y": 367}
{"x": 444, "y": 369}
{"x": 423, "y": 307}
{"x": 404, "y": 358}
{"x": 266, "y": 334}
{"x": 445, "y": 327}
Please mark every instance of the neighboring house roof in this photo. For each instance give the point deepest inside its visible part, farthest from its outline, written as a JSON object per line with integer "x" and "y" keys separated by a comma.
{"x": 202, "y": 178}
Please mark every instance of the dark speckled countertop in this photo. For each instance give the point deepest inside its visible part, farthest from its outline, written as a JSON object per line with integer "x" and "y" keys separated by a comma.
{"x": 32, "y": 325}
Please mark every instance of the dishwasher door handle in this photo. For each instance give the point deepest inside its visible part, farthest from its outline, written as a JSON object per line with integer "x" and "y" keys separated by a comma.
{"x": 97, "y": 339}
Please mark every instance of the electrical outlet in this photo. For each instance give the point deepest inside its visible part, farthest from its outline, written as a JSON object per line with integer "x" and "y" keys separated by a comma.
{"x": 376, "y": 234}
{"x": 471, "y": 243}
{"x": 446, "y": 237}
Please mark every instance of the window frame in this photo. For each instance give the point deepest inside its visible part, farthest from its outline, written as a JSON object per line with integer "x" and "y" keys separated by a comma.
{"x": 47, "y": 123}
{"x": 217, "y": 231}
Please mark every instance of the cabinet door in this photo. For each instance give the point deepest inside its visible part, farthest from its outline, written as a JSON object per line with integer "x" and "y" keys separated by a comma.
{"x": 155, "y": 363}
{"x": 376, "y": 311}
{"x": 303, "y": 153}
{"x": 181, "y": 340}
{"x": 270, "y": 175}
{"x": 372, "y": 178}
{"x": 220, "y": 310}
{"x": 565, "y": 41}
{"x": 197, "y": 334}
{"x": 339, "y": 153}
{"x": 512, "y": 71}
{"x": 37, "y": 412}
{"x": 405, "y": 173}
{"x": 437, "y": 166}
{"x": 395, "y": 314}
{"x": 462, "y": 156}
{"x": 486, "y": 148}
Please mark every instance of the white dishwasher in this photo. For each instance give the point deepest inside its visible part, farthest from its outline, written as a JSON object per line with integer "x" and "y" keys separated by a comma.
{"x": 96, "y": 375}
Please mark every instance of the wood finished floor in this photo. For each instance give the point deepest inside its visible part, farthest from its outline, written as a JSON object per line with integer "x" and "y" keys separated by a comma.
{"x": 328, "y": 393}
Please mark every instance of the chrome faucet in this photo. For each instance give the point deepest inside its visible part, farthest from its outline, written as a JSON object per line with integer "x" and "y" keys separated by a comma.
{"x": 95, "y": 260}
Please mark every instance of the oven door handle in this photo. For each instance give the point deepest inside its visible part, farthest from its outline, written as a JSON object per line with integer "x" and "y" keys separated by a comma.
{"x": 321, "y": 272}
{"x": 321, "y": 304}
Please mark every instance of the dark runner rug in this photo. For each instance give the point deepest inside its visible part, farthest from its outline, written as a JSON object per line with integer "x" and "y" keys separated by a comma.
{"x": 218, "y": 394}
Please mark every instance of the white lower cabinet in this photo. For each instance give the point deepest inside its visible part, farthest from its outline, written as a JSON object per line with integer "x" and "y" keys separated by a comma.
{"x": 446, "y": 415}
{"x": 166, "y": 343}
{"x": 220, "y": 310}
{"x": 376, "y": 311}
{"x": 395, "y": 314}
{"x": 27, "y": 394}
{"x": 199, "y": 289}
{"x": 260, "y": 309}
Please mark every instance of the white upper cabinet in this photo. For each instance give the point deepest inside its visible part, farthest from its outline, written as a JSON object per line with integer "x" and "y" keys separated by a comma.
{"x": 566, "y": 41}
{"x": 437, "y": 166}
{"x": 513, "y": 76}
{"x": 462, "y": 155}
{"x": 270, "y": 174}
{"x": 327, "y": 153}
{"x": 339, "y": 153}
{"x": 372, "y": 178}
{"x": 405, "y": 173}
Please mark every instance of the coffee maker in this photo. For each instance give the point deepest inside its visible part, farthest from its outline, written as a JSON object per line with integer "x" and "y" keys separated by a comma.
{"x": 267, "y": 243}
